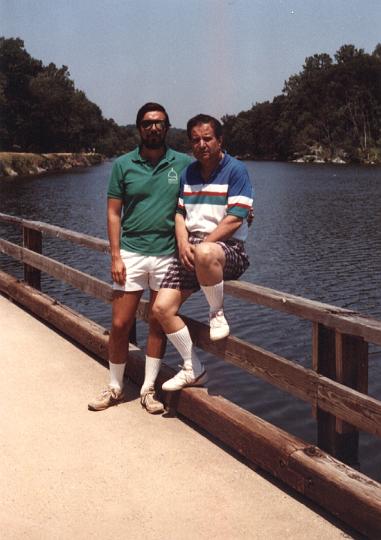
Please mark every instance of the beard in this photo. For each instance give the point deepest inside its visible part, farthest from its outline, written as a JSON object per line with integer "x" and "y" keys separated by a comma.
{"x": 153, "y": 145}
{"x": 154, "y": 142}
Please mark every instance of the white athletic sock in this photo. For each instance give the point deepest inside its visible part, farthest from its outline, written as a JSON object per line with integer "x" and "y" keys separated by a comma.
{"x": 214, "y": 295}
{"x": 183, "y": 343}
{"x": 116, "y": 375}
{"x": 152, "y": 368}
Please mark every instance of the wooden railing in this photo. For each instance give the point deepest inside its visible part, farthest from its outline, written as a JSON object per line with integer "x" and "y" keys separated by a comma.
{"x": 336, "y": 386}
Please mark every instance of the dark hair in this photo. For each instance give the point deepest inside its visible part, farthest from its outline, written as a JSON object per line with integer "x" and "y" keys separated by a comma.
{"x": 148, "y": 107}
{"x": 204, "y": 119}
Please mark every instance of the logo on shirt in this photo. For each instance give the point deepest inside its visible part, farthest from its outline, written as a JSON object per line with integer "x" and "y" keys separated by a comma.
{"x": 172, "y": 177}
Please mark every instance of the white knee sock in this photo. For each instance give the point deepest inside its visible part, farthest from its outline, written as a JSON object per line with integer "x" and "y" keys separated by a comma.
{"x": 183, "y": 343}
{"x": 214, "y": 295}
{"x": 116, "y": 375}
{"x": 152, "y": 368}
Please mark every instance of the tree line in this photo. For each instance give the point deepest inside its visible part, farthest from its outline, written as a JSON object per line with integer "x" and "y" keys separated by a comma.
{"x": 330, "y": 110}
{"x": 42, "y": 111}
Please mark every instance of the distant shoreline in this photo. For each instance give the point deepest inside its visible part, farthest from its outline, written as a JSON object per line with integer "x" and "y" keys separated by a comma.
{"x": 22, "y": 164}
{"x": 311, "y": 159}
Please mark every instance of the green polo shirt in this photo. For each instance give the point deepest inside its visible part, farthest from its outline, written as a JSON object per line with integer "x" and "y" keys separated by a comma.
{"x": 149, "y": 196}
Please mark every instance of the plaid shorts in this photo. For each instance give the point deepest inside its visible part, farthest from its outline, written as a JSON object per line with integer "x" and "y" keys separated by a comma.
{"x": 236, "y": 262}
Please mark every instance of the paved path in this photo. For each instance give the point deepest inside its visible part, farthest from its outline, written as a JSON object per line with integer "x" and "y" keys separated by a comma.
{"x": 67, "y": 473}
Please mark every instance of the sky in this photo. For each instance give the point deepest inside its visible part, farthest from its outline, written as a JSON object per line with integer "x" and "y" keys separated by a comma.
{"x": 211, "y": 56}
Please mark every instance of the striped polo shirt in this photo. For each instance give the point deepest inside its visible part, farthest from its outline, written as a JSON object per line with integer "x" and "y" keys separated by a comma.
{"x": 227, "y": 192}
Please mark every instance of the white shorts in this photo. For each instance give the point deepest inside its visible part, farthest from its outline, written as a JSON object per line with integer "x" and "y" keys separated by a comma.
{"x": 143, "y": 271}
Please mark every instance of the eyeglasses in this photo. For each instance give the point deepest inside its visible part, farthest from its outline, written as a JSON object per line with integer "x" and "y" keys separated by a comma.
{"x": 147, "y": 124}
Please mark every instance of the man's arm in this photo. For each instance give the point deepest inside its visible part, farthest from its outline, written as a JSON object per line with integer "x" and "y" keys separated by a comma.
{"x": 118, "y": 269}
{"x": 240, "y": 201}
{"x": 225, "y": 229}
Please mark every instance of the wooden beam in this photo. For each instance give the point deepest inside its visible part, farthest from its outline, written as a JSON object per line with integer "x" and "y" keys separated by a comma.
{"x": 336, "y": 487}
{"x": 343, "y": 320}
{"x": 59, "y": 232}
{"x": 351, "y": 406}
{"x": 5, "y": 218}
{"x": 81, "y": 239}
{"x": 86, "y": 332}
{"x": 88, "y": 284}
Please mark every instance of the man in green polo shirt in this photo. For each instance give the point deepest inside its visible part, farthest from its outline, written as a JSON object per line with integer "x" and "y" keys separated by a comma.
{"x": 142, "y": 197}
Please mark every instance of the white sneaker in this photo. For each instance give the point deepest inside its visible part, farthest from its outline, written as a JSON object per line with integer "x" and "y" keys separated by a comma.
{"x": 185, "y": 377}
{"x": 219, "y": 327}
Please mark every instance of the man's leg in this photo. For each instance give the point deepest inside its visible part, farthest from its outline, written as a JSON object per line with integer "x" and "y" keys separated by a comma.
{"x": 155, "y": 350}
{"x": 165, "y": 310}
{"x": 124, "y": 306}
{"x": 209, "y": 264}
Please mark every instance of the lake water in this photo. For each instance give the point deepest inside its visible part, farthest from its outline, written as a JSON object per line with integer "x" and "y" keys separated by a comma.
{"x": 316, "y": 234}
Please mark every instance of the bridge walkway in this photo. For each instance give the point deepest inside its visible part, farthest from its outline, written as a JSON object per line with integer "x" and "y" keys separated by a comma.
{"x": 66, "y": 472}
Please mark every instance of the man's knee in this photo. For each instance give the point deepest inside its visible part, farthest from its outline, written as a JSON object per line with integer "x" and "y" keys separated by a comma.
{"x": 165, "y": 306}
{"x": 121, "y": 324}
{"x": 154, "y": 316}
{"x": 208, "y": 254}
{"x": 158, "y": 310}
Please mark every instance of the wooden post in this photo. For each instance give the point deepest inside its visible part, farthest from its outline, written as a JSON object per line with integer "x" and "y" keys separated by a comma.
{"x": 343, "y": 358}
{"x": 351, "y": 370}
{"x": 323, "y": 361}
{"x": 32, "y": 240}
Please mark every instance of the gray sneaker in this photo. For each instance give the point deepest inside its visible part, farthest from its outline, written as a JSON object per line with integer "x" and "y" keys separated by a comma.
{"x": 150, "y": 402}
{"x": 107, "y": 398}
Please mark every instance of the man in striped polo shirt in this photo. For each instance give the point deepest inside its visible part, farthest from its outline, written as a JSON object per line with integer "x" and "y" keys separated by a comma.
{"x": 211, "y": 227}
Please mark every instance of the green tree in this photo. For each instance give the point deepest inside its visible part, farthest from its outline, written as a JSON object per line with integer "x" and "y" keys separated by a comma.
{"x": 332, "y": 107}
{"x": 42, "y": 111}
{"x": 18, "y": 68}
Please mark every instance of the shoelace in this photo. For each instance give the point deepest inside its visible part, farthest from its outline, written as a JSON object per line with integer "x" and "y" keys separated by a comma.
{"x": 108, "y": 391}
{"x": 149, "y": 393}
{"x": 145, "y": 397}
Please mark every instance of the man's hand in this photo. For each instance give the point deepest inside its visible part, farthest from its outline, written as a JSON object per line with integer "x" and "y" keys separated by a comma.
{"x": 186, "y": 255}
{"x": 118, "y": 270}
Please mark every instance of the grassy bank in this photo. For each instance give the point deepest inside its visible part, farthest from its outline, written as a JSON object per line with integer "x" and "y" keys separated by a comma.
{"x": 23, "y": 164}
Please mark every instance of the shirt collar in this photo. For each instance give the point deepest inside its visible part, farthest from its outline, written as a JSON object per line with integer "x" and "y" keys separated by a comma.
{"x": 137, "y": 158}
